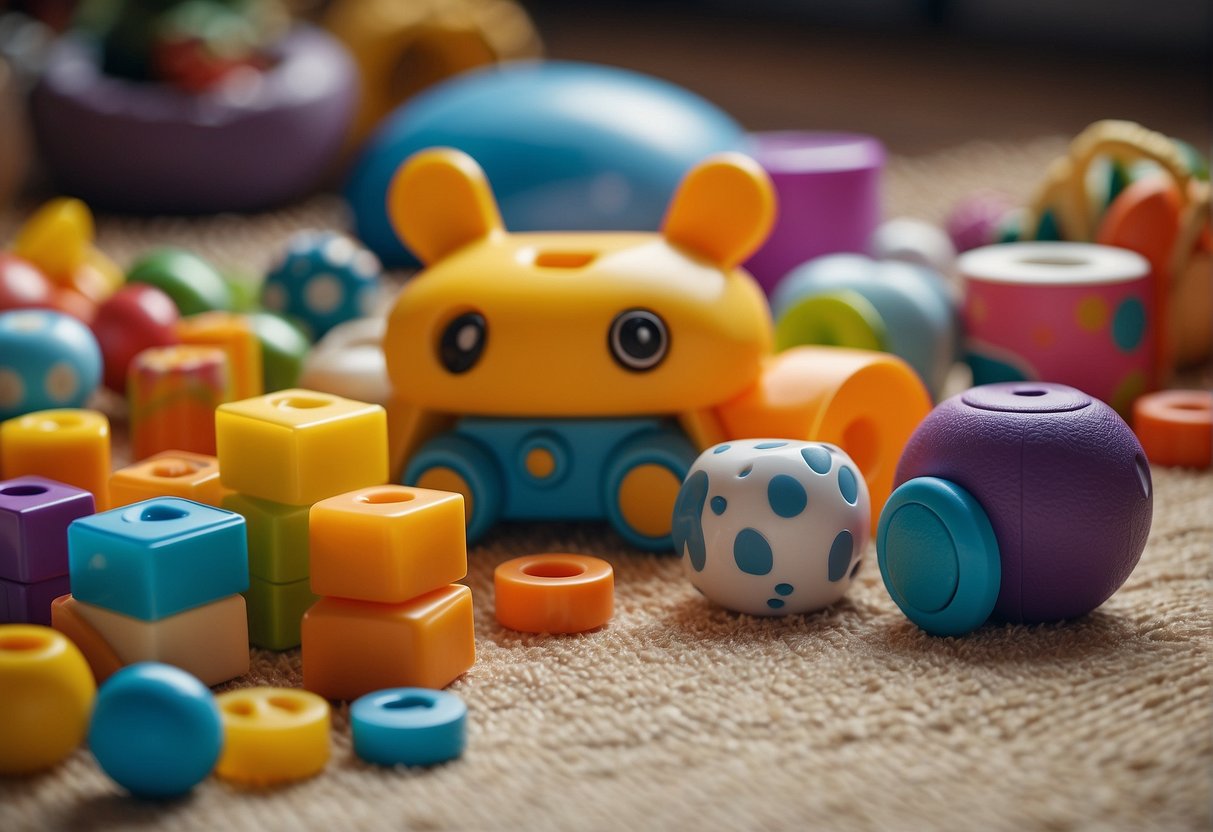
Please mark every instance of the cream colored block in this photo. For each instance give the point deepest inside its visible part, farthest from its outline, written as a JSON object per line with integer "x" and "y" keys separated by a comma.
{"x": 210, "y": 641}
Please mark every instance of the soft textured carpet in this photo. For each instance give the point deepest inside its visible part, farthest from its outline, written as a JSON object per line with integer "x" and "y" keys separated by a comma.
{"x": 681, "y": 716}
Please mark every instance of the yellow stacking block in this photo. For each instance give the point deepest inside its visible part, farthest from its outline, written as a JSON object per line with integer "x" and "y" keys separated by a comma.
{"x": 387, "y": 544}
{"x": 68, "y": 445}
{"x": 298, "y": 446}
{"x": 351, "y": 648}
{"x": 169, "y": 474}
{"x": 272, "y": 735}
{"x": 210, "y": 641}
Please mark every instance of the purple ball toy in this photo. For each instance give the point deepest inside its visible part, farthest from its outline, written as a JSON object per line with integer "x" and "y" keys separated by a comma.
{"x": 1030, "y": 502}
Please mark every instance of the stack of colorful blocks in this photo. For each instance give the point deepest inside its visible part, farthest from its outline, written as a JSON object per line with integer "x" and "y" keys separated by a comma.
{"x": 280, "y": 453}
{"x": 34, "y": 516}
{"x": 386, "y": 560}
{"x": 159, "y": 580}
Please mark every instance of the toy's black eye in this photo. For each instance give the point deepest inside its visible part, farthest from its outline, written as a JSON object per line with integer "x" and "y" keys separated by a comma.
{"x": 638, "y": 339}
{"x": 462, "y": 342}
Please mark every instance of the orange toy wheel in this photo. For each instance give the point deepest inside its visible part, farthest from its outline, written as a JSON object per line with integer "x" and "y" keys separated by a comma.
{"x": 554, "y": 593}
{"x": 1175, "y": 427}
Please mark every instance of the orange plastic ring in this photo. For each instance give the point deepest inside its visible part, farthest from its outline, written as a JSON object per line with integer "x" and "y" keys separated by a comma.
{"x": 1176, "y": 427}
{"x": 554, "y": 593}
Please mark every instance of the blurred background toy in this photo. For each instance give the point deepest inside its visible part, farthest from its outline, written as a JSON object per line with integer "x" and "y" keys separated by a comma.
{"x": 1075, "y": 313}
{"x": 1030, "y": 502}
{"x": 47, "y": 360}
{"x": 349, "y": 362}
{"x": 828, "y": 186}
{"x": 187, "y": 105}
{"x": 1121, "y": 184}
{"x": 402, "y": 48}
{"x": 849, "y": 300}
{"x": 1175, "y": 427}
{"x": 323, "y": 279}
{"x": 565, "y": 146}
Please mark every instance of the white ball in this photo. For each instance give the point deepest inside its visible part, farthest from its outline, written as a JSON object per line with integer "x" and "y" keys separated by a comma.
{"x": 772, "y": 526}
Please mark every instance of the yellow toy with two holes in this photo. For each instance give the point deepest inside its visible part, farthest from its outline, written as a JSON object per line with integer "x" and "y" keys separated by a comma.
{"x": 574, "y": 375}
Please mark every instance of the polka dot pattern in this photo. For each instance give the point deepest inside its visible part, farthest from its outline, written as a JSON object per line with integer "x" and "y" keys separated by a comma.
{"x": 818, "y": 459}
{"x": 848, "y": 485}
{"x": 786, "y": 496}
{"x": 841, "y": 551}
{"x": 1129, "y": 324}
{"x": 752, "y": 552}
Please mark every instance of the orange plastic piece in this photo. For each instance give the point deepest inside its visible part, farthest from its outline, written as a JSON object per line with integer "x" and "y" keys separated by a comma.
{"x": 351, "y": 648}
{"x": 867, "y": 403}
{"x": 272, "y": 735}
{"x": 169, "y": 474}
{"x": 173, "y": 392}
{"x": 554, "y": 593}
{"x": 101, "y": 658}
{"x": 299, "y": 446}
{"x": 71, "y": 446}
{"x": 1176, "y": 427}
{"x": 387, "y": 544}
{"x": 46, "y": 692}
{"x": 235, "y": 335}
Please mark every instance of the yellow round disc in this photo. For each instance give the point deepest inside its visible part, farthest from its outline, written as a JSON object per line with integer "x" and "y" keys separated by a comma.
{"x": 447, "y": 479}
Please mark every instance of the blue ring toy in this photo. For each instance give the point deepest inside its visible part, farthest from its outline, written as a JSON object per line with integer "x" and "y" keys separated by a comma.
{"x": 409, "y": 726}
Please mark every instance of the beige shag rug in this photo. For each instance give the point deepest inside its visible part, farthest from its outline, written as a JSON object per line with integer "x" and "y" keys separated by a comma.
{"x": 681, "y": 716}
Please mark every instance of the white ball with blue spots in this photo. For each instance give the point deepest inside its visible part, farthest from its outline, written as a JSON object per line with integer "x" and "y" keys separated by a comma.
{"x": 772, "y": 526}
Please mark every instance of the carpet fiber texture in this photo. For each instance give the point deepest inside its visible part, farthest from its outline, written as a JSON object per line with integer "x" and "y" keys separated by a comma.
{"x": 679, "y": 715}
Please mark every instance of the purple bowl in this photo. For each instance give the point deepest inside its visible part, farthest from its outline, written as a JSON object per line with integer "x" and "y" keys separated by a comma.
{"x": 146, "y": 147}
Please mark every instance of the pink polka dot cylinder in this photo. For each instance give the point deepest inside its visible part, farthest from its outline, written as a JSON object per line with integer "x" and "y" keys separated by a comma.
{"x": 1073, "y": 313}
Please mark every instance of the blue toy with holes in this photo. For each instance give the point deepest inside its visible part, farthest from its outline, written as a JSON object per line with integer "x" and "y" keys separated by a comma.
{"x": 324, "y": 279}
{"x": 408, "y": 726}
{"x": 772, "y": 526}
{"x": 156, "y": 558}
{"x": 557, "y": 469}
{"x": 47, "y": 361}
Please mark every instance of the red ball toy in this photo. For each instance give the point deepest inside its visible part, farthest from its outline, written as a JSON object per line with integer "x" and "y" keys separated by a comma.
{"x": 131, "y": 320}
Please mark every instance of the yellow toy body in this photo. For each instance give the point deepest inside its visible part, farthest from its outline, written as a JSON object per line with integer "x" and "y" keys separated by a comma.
{"x": 525, "y": 367}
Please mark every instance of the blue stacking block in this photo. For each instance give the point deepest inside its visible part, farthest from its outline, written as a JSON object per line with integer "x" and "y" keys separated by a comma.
{"x": 156, "y": 558}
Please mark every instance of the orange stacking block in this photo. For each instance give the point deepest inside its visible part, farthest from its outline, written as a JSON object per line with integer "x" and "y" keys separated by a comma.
{"x": 351, "y": 648}
{"x": 387, "y": 544}
{"x": 173, "y": 392}
{"x": 233, "y": 334}
{"x": 169, "y": 474}
{"x": 71, "y": 446}
{"x": 101, "y": 658}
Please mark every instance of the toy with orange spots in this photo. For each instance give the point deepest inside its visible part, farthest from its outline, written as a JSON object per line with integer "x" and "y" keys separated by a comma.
{"x": 577, "y": 375}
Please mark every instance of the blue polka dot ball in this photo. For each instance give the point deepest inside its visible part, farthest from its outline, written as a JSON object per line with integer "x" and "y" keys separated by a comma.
{"x": 324, "y": 279}
{"x": 47, "y": 361}
{"x": 771, "y": 526}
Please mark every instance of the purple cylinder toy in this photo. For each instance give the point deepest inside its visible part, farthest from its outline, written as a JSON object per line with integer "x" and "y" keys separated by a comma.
{"x": 828, "y": 185}
{"x": 1030, "y": 502}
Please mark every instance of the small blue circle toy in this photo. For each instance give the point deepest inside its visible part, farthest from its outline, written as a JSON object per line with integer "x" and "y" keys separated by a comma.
{"x": 409, "y": 726}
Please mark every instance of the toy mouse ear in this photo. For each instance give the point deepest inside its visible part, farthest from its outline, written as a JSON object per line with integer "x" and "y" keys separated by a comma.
{"x": 723, "y": 209}
{"x": 439, "y": 201}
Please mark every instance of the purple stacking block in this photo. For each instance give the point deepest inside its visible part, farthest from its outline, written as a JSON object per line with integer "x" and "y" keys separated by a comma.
{"x": 1063, "y": 480}
{"x": 828, "y": 187}
{"x": 34, "y": 516}
{"x": 30, "y": 603}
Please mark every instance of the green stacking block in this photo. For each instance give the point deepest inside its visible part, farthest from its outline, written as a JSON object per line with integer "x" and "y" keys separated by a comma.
{"x": 275, "y": 612}
{"x": 277, "y": 538}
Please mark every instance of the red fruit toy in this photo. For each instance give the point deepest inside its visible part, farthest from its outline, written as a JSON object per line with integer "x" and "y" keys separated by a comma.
{"x": 134, "y": 318}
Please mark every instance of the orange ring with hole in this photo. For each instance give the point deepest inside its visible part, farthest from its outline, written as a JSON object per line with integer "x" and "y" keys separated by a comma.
{"x": 1175, "y": 427}
{"x": 554, "y": 593}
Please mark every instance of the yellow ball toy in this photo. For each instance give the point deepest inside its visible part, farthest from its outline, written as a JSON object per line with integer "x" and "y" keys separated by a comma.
{"x": 46, "y": 696}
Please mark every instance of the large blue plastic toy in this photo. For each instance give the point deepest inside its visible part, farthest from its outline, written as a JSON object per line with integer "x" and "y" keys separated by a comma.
{"x": 566, "y": 146}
